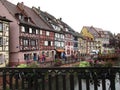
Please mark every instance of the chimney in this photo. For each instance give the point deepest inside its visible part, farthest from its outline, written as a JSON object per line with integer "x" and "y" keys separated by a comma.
{"x": 60, "y": 19}
{"x": 36, "y": 10}
{"x": 39, "y": 8}
{"x": 21, "y": 6}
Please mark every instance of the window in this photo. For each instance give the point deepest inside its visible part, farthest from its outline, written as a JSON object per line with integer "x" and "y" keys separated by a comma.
{"x": 26, "y": 29}
{"x": 22, "y": 29}
{"x": 25, "y": 42}
{"x": 7, "y": 27}
{"x": 34, "y": 31}
{"x": 56, "y": 27}
{"x": 66, "y": 29}
{"x": 30, "y": 30}
{"x": 46, "y": 43}
{"x": 1, "y": 41}
{"x": 62, "y": 36}
{"x": 1, "y": 28}
{"x": 62, "y": 44}
{"x": 53, "y": 26}
{"x": 37, "y": 31}
{"x": 26, "y": 56}
{"x": 33, "y": 42}
{"x": 56, "y": 35}
{"x": 20, "y": 16}
{"x": 47, "y": 33}
{"x": 57, "y": 44}
{"x": 41, "y": 32}
{"x": 49, "y": 43}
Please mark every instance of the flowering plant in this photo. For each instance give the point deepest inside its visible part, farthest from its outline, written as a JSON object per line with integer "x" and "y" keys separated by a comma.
{"x": 57, "y": 62}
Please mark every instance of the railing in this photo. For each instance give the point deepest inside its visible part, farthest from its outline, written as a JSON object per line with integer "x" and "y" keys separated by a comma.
{"x": 108, "y": 56}
{"x": 65, "y": 78}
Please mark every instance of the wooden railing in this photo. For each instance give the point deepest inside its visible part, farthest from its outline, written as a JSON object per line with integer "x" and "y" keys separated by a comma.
{"x": 108, "y": 56}
{"x": 60, "y": 78}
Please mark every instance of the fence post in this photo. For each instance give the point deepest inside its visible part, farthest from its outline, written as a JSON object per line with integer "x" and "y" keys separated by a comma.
{"x": 4, "y": 79}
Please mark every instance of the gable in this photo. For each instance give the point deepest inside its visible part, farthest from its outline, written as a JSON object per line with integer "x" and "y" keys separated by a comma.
{"x": 86, "y": 33}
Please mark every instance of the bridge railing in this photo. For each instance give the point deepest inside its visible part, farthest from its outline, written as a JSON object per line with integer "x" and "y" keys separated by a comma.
{"x": 60, "y": 78}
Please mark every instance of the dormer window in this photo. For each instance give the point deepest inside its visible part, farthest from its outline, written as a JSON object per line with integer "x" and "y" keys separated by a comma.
{"x": 56, "y": 27}
{"x": 27, "y": 19}
{"x": 19, "y": 16}
{"x": 66, "y": 29}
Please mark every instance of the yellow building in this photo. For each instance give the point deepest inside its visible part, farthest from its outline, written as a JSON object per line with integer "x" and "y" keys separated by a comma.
{"x": 96, "y": 38}
{"x": 91, "y": 36}
{"x": 82, "y": 46}
{"x": 85, "y": 32}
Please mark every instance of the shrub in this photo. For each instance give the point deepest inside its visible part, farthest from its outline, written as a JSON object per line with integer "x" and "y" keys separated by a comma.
{"x": 22, "y": 66}
{"x": 57, "y": 62}
{"x": 84, "y": 64}
{"x": 33, "y": 65}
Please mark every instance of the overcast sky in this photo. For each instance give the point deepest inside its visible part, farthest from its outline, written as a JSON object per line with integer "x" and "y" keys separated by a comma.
{"x": 103, "y": 14}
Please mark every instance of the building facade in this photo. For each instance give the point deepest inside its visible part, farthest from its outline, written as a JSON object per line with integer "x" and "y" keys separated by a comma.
{"x": 25, "y": 32}
{"x": 100, "y": 38}
{"x": 4, "y": 41}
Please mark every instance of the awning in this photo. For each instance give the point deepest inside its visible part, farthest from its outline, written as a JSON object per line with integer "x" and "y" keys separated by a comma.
{"x": 60, "y": 50}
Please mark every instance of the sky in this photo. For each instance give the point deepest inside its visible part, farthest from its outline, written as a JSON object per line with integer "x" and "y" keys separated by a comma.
{"x": 103, "y": 14}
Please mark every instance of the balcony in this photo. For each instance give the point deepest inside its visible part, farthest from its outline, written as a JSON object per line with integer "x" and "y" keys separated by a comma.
{"x": 60, "y": 78}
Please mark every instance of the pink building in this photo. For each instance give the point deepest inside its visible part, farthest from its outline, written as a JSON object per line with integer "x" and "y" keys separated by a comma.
{"x": 24, "y": 32}
{"x": 4, "y": 41}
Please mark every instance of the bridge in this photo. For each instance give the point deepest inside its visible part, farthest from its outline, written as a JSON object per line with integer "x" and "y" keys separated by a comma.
{"x": 60, "y": 78}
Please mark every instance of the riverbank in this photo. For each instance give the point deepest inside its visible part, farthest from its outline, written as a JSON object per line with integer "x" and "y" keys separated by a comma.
{"x": 113, "y": 62}
{"x": 70, "y": 65}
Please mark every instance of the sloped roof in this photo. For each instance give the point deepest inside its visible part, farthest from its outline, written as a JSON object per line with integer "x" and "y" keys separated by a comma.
{"x": 98, "y": 32}
{"x": 70, "y": 30}
{"x": 4, "y": 19}
{"x": 93, "y": 31}
{"x": 118, "y": 35}
{"x": 50, "y": 19}
{"x": 35, "y": 18}
{"x": 13, "y": 9}
{"x": 26, "y": 12}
